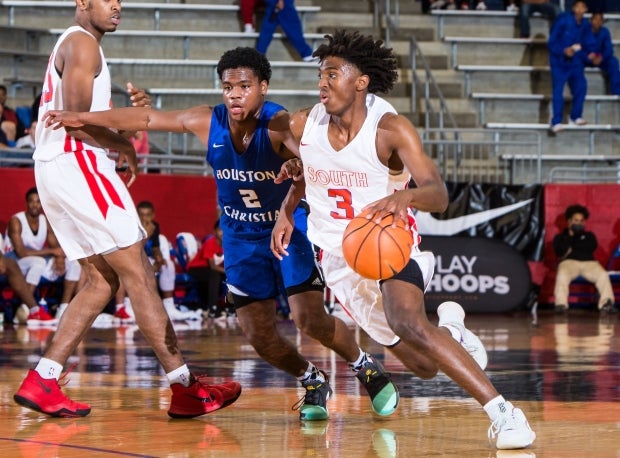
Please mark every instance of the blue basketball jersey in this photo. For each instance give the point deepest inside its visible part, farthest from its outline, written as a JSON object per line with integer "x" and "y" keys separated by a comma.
{"x": 248, "y": 197}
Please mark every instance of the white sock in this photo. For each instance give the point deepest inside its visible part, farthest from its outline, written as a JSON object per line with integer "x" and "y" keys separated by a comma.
{"x": 48, "y": 369}
{"x": 169, "y": 302}
{"x": 180, "y": 375}
{"x": 311, "y": 372}
{"x": 361, "y": 359}
{"x": 497, "y": 407}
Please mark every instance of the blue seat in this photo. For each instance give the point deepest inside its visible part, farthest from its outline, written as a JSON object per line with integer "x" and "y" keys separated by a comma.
{"x": 24, "y": 114}
{"x": 613, "y": 267}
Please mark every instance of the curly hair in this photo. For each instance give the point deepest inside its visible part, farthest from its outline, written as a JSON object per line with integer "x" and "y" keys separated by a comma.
{"x": 573, "y": 209}
{"x": 370, "y": 56}
{"x": 245, "y": 57}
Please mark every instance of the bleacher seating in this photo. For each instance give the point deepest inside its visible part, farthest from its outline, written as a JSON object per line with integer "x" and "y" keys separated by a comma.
{"x": 156, "y": 9}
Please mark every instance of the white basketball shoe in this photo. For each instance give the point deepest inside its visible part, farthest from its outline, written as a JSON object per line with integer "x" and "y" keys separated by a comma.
{"x": 511, "y": 430}
{"x": 452, "y": 316}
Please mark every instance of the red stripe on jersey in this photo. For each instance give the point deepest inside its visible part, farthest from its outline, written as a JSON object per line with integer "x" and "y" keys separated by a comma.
{"x": 92, "y": 182}
{"x": 68, "y": 143}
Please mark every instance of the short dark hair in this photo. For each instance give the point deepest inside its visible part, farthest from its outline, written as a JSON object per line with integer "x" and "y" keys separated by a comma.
{"x": 370, "y": 56}
{"x": 31, "y": 191}
{"x": 574, "y": 209}
{"x": 147, "y": 205}
{"x": 245, "y": 57}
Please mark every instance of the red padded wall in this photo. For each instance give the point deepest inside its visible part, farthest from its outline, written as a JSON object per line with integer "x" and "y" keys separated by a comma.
{"x": 603, "y": 202}
{"x": 182, "y": 203}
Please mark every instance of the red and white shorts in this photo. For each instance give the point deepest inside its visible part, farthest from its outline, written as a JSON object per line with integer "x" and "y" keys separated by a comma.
{"x": 87, "y": 204}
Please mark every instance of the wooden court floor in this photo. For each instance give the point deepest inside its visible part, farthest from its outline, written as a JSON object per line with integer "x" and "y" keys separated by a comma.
{"x": 564, "y": 372}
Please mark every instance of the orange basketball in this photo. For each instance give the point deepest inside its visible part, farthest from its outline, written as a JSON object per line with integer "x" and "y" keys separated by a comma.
{"x": 376, "y": 251}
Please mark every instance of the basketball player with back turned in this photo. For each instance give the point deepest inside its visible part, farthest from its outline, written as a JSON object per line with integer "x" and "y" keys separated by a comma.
{"x": 355, "y": 148}
{"x": 95, "y": 221}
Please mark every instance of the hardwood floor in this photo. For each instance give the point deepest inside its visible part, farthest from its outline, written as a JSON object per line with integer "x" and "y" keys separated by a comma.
{"x": 564, "y": 373}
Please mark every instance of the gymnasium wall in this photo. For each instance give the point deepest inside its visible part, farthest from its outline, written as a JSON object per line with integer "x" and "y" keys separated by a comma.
{"x": 603, "y": 202}
{"x": 188, "y": 203}
{"x": 182, "y": 203}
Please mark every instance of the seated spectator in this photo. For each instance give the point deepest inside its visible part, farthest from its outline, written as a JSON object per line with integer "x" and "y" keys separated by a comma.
{"x": 33, "y": 244}
{"x": 528, "y": 7}
{"x": 603, "y": 53}
{"x": 27, "y": 141}
{"x": 140, "y": 142}
{"x": 207, "y": 268}
{"x": 162, "y": 265}
{"x": 9, "y": 122}
{"x": 17, "y": 282}
{"x": 4, "y": 142}
{"x": 575, "y": 247}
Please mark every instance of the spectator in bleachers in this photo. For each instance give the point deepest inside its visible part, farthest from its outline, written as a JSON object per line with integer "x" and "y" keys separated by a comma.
{"x": 284, "y": 14}
{"x": 575, "y": 247}
{"x": 39, "y": 256}
{"x": 4, "y": 142}
{"x": 162, "y": 265}
{"x": 603, "y": 53}
{"x": 207, "y": 269}
{"x": 570, "y": 45}
{"x": 17, "y": 282}
{"x": 547, "y": 8}
{"x": 248, "y": 9}
{"x": 140, "y": 142}
{"x": 9, "y": 122}
{"x": 27, "y": 141}
{"x": 511, "y": 6}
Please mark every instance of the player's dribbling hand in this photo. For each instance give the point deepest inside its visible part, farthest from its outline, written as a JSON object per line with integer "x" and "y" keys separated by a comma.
{"x": 293, "y": 168}
{"x": 138, "y": 97}
{"x": 397, "y": 203}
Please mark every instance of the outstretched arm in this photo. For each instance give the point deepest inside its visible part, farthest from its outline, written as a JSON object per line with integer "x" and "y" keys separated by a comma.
{"x": 194, "y": 120}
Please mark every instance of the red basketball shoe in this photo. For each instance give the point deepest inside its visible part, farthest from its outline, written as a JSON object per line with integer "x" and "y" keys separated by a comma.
{"x": 200, "y": 398}
{"x": 45, "y": 396}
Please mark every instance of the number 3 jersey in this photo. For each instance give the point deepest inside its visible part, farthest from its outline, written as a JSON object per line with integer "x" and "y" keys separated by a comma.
{"x": 340, "y": 183}
{"x": 248, "y": 198}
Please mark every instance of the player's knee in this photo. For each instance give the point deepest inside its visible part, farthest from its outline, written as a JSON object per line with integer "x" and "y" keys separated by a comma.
{"x": 413, "y": 332}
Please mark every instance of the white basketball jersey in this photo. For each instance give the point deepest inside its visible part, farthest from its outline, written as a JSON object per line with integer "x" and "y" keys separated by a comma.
{"x": 340, "y": 183}
{"x": 30, "y": 239}
{"x": 51, "y": 143}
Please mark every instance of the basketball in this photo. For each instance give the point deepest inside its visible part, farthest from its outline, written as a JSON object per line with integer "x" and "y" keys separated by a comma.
{"x": 376, "y": 251}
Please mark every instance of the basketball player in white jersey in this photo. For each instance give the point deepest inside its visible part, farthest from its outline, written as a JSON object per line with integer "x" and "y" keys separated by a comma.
{"x": 39, "y": 255}
{"x": 95, "y": 221}
{"x": 354, "y": 149}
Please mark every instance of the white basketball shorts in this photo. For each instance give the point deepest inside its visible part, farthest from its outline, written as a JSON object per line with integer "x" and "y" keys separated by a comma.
{"x": 361, "y": 297}
{"x": 87, "y": 204}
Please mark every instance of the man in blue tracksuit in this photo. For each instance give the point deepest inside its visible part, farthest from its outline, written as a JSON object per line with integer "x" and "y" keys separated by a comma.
{"x": 284, "y": 14}
{"x": 570, "y": 46}
{"x": 604, "y": 53}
